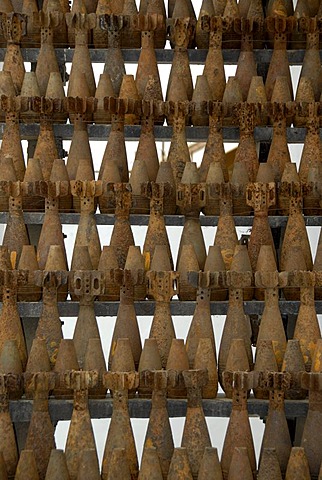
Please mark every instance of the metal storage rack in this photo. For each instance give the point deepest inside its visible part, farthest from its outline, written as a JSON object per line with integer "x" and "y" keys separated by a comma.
{"x": 140, "y": 408}
{"x": 21, "y": 410}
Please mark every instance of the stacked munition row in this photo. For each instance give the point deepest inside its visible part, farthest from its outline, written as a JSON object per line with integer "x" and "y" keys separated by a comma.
{"x": 267, "y": 284}
{"x": 233, "y": 13}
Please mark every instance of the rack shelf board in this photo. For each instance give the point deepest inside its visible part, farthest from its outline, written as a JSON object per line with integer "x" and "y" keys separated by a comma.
{"x": 21, "y": 410}
{"x": 37, "y": 218}
{"x": 163, "y": 133}
{"x": 146, "y": 308}
{"x": 163, "y": 56}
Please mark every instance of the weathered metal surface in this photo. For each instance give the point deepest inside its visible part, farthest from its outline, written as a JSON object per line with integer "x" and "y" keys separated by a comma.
{"x": 86, "y": 328}
{"x": 277, "y": 384}
{"x": 280, "y": 27}
{"x": 156, "y": 233}
{"x": 279, "y": 155}
{"x": 87, "y": 233}
{"x": 14, "y": 26}
{"x": 181, "y": 35}
{"x": 89, "y": 468}
{"x": 311, "y": 147}
{"x": 177, "y": 362}
{"x": 56, "y": 261}
{"x": 94, "y": 360}
{"x": 215, "y": 263}
{"x": 237, "y": 360}
{"x": 28, "y": 261}
{"x": 295, "y": 233}
{"x": 307, "y": 329}
{"x": 27, "y": 467}
{"x": 180, "y": 467}
{"x": 139, "y": 176}
{"x": 150, "y": 360}
{"x": 246, "y": 67}
{"x": 49, "y": 325}
{"x": 46, "y": 61}
{"x": 188, "y": 262}
{"x": 240, "y": 465}
{"x": 161, "y": 285}
{"x": 159, "y": 434}
{"x": 80, "y": 433}
{"x": 147, "y": 63}
{"x": 147, "y": 147}
{"x": 311, "y": 61}
{"x": 15, "y": 235}
{"x": 238, "y": 432}
{"x": 201, "y": 325}
{"x": 150, "y": 465}
{"x": 271, "y": 327}
{"x": 178, "y": 154}
{"x": 226, "y": 236}
{"x": 113, "y": 57}
{"x": 7, "y": 436}
{"x": 260, "y": 196}
{"x": 269, "y": 467}
{"x": 81, "y": 264}
{"x": 107, "y": 264}
{"x": 57, "y": 466}
{"x": 246, "y": 151}
{"x": 81, "y": 60}
{"x": 210, "y": 468}
{"x": 241, "y": 263}
{"x": 126, "y": 325}
{"x": 265, "y": 361}
{"x": 115, "y": 149}
{"x": 8, "y": 174}
{"x": 121, "y": 360}
{"x": 293, "y": 362}
{"x": 80, "y": 147}
{"x": 66, "y": 361}
{"x": 10, "y": 363}
{"x": 118, "y": 466}
{"x": 237, "y": 325}
{"x": 84, "y": 172}
{"x": 195, "y": 437}
{"x": 205, "y": 358}
{"x": 200, "y": 95}
{"x": 122, "y": 236}
{"x": 32, "y": 201}
{"x": 40, "y": 437}
{"x": 266, "y": 263}
{"x": 279, "y": 65}
{"x": 312, "y": 382}
{"x": 135, "y": 262}
{"x": 11, "y": 327}
{"x": 51, "y": 232}
{"x": 38, "y": 361}
{"x": 120, "y": 434}
{"x": 298, "y": 466}
{"x": 46, "y": 149}
{"x": 191, "y": 197}
{"x": 3, "y": 468}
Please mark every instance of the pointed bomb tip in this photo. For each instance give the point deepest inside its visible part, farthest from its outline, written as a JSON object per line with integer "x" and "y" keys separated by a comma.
{"x": 57, "y": 466}
{"x": 179, "y": 466}
{"x": 298, "y": 465}
{"x": 240, "y": 465}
